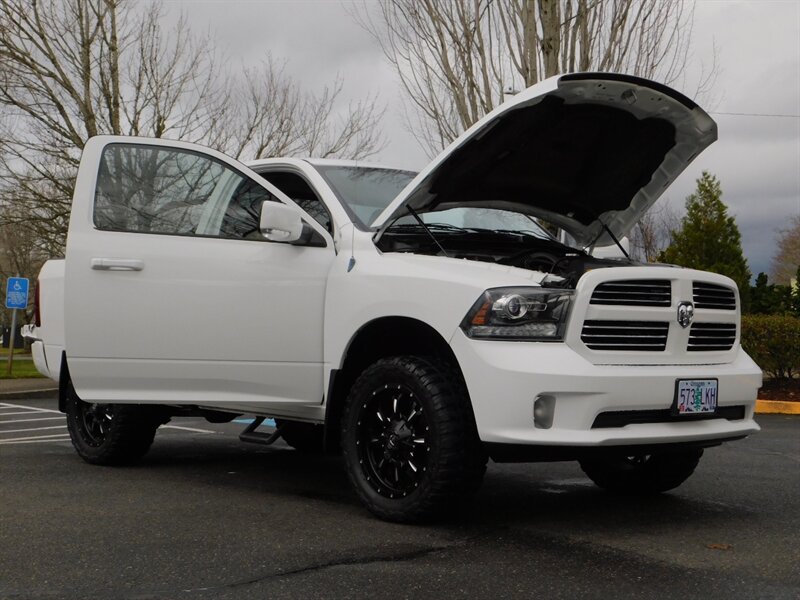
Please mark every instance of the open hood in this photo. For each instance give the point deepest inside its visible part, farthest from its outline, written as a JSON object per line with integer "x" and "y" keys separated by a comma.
{"x": 578, "y": 150}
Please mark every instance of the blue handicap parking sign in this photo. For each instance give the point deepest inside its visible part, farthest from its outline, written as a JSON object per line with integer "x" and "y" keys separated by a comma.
{"x": 16, "y": 292}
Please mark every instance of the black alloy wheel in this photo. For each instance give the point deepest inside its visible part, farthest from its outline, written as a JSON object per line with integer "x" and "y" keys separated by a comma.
{"x": 393, "y": 441}
{"x": 110, "y": 434}
{"x": 96, "y": 421}
{"x": 409, "y": 440}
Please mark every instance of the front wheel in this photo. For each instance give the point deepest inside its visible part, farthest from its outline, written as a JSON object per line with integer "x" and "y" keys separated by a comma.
{"x": 109, "y": 434}
{"x": 642, "y": 473}
{"x": 409, "y": 439}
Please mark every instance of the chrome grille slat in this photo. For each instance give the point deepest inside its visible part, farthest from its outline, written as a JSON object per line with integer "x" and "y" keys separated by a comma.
{"x": 629, "y": 296}
{"x": 711, "y": 292}
{"x": 638, "y": 337}
{"x": 711, "y": 334}
{"x": 713, "y": 296}
{"x": 607, "y": 288}
{"x": 708, "y": 337}
{"x": 634, "y": 283}
{"x": 722, "y": 305}
{"x": 606, "y": 332}
{"x": 646, "y": 336}
{"x": 622, "y": 325}
{"x": 628, "y": 346}
{"x": 634, "y": 292}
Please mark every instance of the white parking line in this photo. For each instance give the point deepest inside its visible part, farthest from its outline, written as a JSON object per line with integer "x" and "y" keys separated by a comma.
{"x": 32, "y": 420}
{"x": 34, "y": 437}
{"x": 187, "y": 429}
{"x": 31, "y": 435}
{"x": 57, "y": 437}
{"x": 35, "y": 408}
{"x": 2, "y": 431}
{"x": 34, "y": 441}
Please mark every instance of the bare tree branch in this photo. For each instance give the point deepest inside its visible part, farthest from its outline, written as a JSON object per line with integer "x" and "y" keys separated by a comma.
{"x": 71, "y": 69}
{"x": 456, "y": 58}
{"x": 653, "y": 233}
{"x": 786, "y": 260}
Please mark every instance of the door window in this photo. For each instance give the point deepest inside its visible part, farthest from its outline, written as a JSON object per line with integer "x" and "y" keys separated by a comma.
{"x": 150, "y": 189}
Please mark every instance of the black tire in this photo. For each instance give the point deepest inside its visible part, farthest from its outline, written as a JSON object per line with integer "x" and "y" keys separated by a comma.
{"x": 642, "y": 473}
{"x": 109, "y": 434}
{"x": 424, "y": 455}
{"x": 304, "y": 437}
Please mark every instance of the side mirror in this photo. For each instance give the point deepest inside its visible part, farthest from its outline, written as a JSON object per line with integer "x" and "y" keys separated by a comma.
{"x": 280, "y": 223}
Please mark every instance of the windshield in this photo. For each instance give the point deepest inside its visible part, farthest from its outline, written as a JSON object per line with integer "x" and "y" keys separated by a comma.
{"x": 470, "y": 218}
{"x": 365, "y": 191}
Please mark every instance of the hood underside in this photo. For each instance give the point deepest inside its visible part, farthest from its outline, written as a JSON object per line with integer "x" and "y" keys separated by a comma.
{"x": 580, "y": 151}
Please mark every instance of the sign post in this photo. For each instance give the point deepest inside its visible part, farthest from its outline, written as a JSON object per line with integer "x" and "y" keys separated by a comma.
{"x": 16, "y": 297}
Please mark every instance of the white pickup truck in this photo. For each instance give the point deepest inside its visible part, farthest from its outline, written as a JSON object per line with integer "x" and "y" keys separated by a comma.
{"x": 419, "y": 323}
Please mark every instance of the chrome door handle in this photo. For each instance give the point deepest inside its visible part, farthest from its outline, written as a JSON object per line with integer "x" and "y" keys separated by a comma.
{"x": 117, "y": 264}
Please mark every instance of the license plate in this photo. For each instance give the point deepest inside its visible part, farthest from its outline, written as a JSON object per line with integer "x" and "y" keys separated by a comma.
{"x": 695, "y": 396}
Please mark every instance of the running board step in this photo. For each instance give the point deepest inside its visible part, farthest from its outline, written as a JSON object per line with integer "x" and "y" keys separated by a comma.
{"x": 251, "y": 436}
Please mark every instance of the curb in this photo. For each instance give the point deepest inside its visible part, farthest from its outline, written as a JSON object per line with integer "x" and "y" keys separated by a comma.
{"x": 777, "y": 407}
{"x": 47, "y": 394}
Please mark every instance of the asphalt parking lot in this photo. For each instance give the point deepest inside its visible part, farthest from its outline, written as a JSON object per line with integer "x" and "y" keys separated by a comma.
{"x": 205, "y": 516}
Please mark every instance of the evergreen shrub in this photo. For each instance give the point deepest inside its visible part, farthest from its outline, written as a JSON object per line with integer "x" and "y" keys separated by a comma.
{"x": 773, "y": 341}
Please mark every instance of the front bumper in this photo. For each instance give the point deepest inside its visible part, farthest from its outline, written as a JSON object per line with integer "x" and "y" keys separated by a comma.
{"x": 504, "y": 379}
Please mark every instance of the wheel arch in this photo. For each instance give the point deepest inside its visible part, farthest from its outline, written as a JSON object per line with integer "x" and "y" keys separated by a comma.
{"x": 377, "y": 339}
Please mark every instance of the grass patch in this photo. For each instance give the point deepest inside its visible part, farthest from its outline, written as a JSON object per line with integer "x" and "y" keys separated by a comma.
{"x": 17, "y": 352}
{"x": 21, "y": 369}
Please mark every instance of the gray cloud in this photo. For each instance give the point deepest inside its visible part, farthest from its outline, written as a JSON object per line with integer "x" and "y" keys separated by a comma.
{"x": 756, "y": 158}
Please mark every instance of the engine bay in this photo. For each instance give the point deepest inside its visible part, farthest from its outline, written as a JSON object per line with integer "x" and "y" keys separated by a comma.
{"x": 562, "y": 265}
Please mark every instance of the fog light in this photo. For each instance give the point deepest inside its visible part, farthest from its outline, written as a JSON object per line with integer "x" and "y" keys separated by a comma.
{"x": 543, "y": 409}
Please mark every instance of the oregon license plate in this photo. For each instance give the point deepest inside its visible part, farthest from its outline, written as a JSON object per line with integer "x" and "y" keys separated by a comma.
{"x": 695, "y": 396}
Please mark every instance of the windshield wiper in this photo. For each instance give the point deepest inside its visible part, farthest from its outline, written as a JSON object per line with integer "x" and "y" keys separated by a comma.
{"x": 528, "y": 232}
{"x": 433, "y": 226}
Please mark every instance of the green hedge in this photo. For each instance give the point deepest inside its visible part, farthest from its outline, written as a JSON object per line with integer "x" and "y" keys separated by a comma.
{"x": 774, "y": 343}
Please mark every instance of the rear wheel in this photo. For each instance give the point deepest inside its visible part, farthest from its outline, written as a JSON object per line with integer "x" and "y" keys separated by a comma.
{"x": 409, "y": 439}
{"x": 109, "y": 434}
{"x": 642, "y": 473}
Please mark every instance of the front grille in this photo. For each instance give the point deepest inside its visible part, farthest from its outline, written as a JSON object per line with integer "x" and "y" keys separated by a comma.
{"x": 711, "y": 336}
{"x": 647, "y": 336}
{"x": 711, "y": 295}
{"x": 621, "y": 418}
{"x": 635, "y": 292}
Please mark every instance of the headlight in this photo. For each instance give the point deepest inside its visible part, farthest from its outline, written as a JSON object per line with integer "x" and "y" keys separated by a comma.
{"x": 523, "y": 313}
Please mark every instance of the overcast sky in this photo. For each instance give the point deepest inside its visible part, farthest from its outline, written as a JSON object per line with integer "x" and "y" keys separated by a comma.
{"x": 757, "y": 158}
